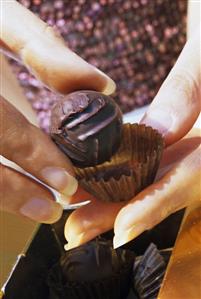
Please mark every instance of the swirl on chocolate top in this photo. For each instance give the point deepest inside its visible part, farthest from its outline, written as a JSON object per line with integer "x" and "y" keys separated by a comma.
{"x": 87, "y": 126}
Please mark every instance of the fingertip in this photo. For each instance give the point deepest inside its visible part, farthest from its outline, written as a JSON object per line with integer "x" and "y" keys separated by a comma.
{"x": 160, "y": 120}
{"x": 126, "y": 227}
{"x": 82, "y": 238}
{"x": 157, "y": 120}
{"x": 56, "y": 213}
{"x": 74, "y": 242}
{"x": 60, "y": 179}
{"x": 41, "y": 210}
{"x": 109, "y": 86}
{"x": 124, "y": 236}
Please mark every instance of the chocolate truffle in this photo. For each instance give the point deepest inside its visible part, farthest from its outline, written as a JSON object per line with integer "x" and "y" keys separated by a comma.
{"x": 95, "y": 260}
{"x": 93, "y": 270}
{"x": 87, "y": 127}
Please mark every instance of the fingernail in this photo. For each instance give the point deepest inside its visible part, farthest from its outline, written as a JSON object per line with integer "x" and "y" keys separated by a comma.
{"x": 66, "y": 204}
{"x": 62, "y": 199}
{"x": 110, "y": 86}
{"x": 74, "y": 242}
{"x": 60, "y": 179}
{"x": 126, "y": 236}
{"x": 41, "y": 210}
{"x": 160, "y": 120}
{"x": 77, "y": 240}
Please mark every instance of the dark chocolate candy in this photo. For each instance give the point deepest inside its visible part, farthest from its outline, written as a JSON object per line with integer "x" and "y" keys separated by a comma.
{"x": 93, "y": 261}
{"x": 93, "y": 270}
{"x": 87, "y": 126}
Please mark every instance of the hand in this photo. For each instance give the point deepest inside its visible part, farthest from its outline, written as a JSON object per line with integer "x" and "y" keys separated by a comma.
{"x": 173, "y": 112}
{"x": 33, "y": 150}
{"x": 25, "y": 36}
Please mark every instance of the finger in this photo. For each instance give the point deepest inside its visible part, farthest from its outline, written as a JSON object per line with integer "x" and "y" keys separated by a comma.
{"x": 178, "y": 151}
{"x": 89, "y": 221}
{"x": 80, "y": 196}
{"x": 177, "y": 189}
{"x": 177, "y": 104}
{"x": 44, "y": 52}
{"x": 22, "y": 196}
{"x": 5, "y": 49}
{"x": 34, "y": 151}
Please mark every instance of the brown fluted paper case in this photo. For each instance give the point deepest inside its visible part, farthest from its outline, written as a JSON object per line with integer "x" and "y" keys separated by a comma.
{"x": 132, "y": 168}
{"x": 114, "y": 287}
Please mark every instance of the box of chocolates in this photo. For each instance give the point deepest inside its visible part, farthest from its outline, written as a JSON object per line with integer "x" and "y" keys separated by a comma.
{"x": 94, "y": 270}
{"x": 42, "y": 268}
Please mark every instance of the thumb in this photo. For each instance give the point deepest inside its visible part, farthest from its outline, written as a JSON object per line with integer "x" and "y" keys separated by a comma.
{"x": 177, "y": 104}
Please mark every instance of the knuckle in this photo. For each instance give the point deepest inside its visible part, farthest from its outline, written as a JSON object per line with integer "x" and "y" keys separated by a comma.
{"x": 10, "y": 185}
{"x": 10, "y": 116}
{"x": 186, "y": 84}
{"x": 13, "y": 140}
{"x": 27, "y": 147}
{"x": 18, "y": 143}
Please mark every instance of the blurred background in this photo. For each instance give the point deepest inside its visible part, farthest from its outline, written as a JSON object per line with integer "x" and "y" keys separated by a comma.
{"x": 136, "y": 42}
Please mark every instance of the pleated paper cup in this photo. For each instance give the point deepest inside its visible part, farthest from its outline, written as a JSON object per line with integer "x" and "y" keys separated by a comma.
{"x": 149, "y": 273}
{"x": 132, "y": 168}
{"x": 116, "y": 286}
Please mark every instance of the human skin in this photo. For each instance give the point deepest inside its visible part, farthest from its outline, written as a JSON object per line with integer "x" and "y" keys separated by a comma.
{"x": 35, "y": 44}
{"x": 173, "y": 112}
